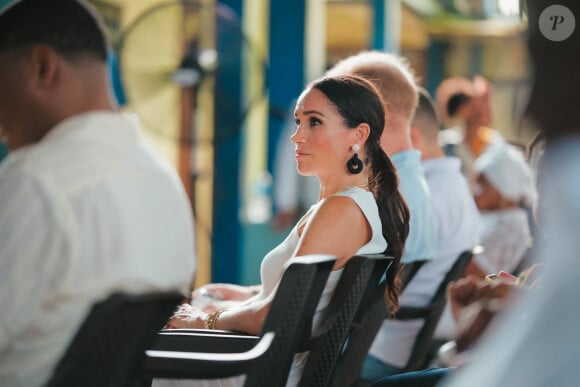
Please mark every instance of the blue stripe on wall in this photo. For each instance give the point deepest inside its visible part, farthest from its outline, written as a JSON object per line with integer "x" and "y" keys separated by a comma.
{"x": 435, "y": 64}
{"x": 378, "y": 25}
{"x": 228, "y": 140}
{"x": 286, "y": 72}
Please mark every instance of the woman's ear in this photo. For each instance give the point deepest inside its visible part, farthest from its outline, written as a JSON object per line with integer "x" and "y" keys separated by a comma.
{"x": 362, "y": 132}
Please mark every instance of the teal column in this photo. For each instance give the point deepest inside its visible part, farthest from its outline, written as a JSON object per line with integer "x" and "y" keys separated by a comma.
{"x": 226, "y": 243}
{"x": 286, "y": 72}
{"x": 435, "y": 64}
{"x": 378, "y": 24}
{"x": 286, "y": 79}
{"x": 386, "y": 25}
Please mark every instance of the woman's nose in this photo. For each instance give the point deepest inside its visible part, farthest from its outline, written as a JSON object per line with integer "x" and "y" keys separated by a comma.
{"x": 297, "y": 136}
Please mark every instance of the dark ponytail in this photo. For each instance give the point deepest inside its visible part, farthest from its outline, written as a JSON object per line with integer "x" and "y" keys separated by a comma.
{"x": 358, "y": 101}
{"x": 394, "y": 213}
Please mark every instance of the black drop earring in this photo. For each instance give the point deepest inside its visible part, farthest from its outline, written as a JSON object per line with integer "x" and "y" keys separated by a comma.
{"x": 354, "y": 164}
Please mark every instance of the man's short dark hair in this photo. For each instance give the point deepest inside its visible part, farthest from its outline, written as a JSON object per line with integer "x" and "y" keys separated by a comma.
{"x": 70, "y": 27}
{"x": 455, "y": 102}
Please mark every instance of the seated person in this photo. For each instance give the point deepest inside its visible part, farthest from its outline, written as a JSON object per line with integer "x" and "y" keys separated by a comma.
{"x": 394, "y": 78}
{"x": 87, "y": 208}
{"x": 339, "y": 123}
{"x": 504, "y": 186}
{"x": 466, "y": 108}
{"x": 504, "y": 189}
{"x": 456, "y": 225}
{"x": 543, "y": 350}
{"x": 474, "y": 303}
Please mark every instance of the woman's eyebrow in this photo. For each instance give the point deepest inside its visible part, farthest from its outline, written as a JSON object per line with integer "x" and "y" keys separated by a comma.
{"x": 313, "y": 112}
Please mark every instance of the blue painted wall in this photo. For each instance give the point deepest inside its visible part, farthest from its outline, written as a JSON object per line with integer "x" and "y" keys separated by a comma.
{"x": 286, "y": 79}
{"x": 378, "y": 32}
{"x": 228, "y": 139}
{"x": 435, "y": 64}
{"x": 286, "y": 73}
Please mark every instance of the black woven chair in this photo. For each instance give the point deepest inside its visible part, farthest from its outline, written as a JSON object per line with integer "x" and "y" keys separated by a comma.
{"x": 431, "y": 313}
{"x": 110, "y": 345}
{"x": 359, "y": 284}
{"x": 369, "y": 317}
{"x": 408, "y": 271}
{"x": 264, "y": 359}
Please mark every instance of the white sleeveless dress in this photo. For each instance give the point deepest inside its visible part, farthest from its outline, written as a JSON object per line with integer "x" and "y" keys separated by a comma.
{"x": 271, "y": 271}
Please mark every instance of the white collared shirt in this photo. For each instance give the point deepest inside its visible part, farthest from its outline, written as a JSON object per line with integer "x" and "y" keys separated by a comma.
{"x": 88, "y": 210}
{"x": 456, "y": 225}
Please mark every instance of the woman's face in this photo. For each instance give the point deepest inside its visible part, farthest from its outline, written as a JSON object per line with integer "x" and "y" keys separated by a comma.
{"x": 323, "y": 142}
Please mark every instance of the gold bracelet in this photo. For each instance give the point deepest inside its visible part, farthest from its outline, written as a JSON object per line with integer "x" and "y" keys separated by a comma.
{"x": 211, "y": 319}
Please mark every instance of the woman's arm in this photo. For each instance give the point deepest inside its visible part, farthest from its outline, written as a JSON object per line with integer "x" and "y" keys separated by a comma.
{"x": 248, "y": 317}
{"x": 337, "y": 228}
{"x": 226, "y": 292}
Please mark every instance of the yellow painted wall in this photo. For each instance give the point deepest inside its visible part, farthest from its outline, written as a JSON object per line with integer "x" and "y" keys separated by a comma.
{"x": 149, "y": 56}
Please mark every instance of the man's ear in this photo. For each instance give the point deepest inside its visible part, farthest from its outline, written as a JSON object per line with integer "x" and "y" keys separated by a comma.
{"x": 44, "y": 66}
{"x": 416, "y": 136}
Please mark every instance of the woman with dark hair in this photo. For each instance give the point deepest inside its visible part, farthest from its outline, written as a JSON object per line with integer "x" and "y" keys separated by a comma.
{"x": 339, "y": 121}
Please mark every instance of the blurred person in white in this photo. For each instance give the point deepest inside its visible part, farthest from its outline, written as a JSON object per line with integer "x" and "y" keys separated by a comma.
{"x": 86, "y": 207}
{"x": 504, "y": 188}
{"x": 536, "y": 343}
{"x": 394, "y": 78}
{"x": 339, "y": 122}
{"x": 465, "y": 106}
{"x": 456, "y": 217}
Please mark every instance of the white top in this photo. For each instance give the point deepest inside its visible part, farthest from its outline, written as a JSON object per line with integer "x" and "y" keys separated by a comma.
{"x": 88, "y": 210}
{"x": 272, "y": 268}
{"x": 457, "y": 228}
{"x": 505, "y": 237}
{"x": 536, "y": 342}
{"x": 451, "y": 140}
{"x": 507, "y": 170}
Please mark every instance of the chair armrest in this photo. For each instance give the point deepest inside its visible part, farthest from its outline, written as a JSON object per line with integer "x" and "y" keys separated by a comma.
{"x": 203, "y": 365}
{"x": 190, "y": 330}
{"x": 413, "y": 312}
{"x": 201, "y": 340}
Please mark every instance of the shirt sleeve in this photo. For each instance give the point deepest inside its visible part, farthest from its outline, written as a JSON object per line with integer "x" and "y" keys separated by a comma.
{"x": 32, "y": 247}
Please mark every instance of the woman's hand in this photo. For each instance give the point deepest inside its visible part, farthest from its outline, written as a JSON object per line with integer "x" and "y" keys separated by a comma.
{"x": 187, "y": 317}
{"x": 224, "y": 292}
{"x": 469, "y": 290}
{"x": 474, "y": 303}
{"x": 212, "y": 297}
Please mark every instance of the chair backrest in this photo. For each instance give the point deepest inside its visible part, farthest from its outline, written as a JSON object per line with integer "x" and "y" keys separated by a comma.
{"x": 431, "y": 313}
{"x": 370, "y": 315}
{"x": 292, "y": 308}
{"x": 408, "y": 271}
{"x": 358, "y": 284}
{"x": 110, "y": 345}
